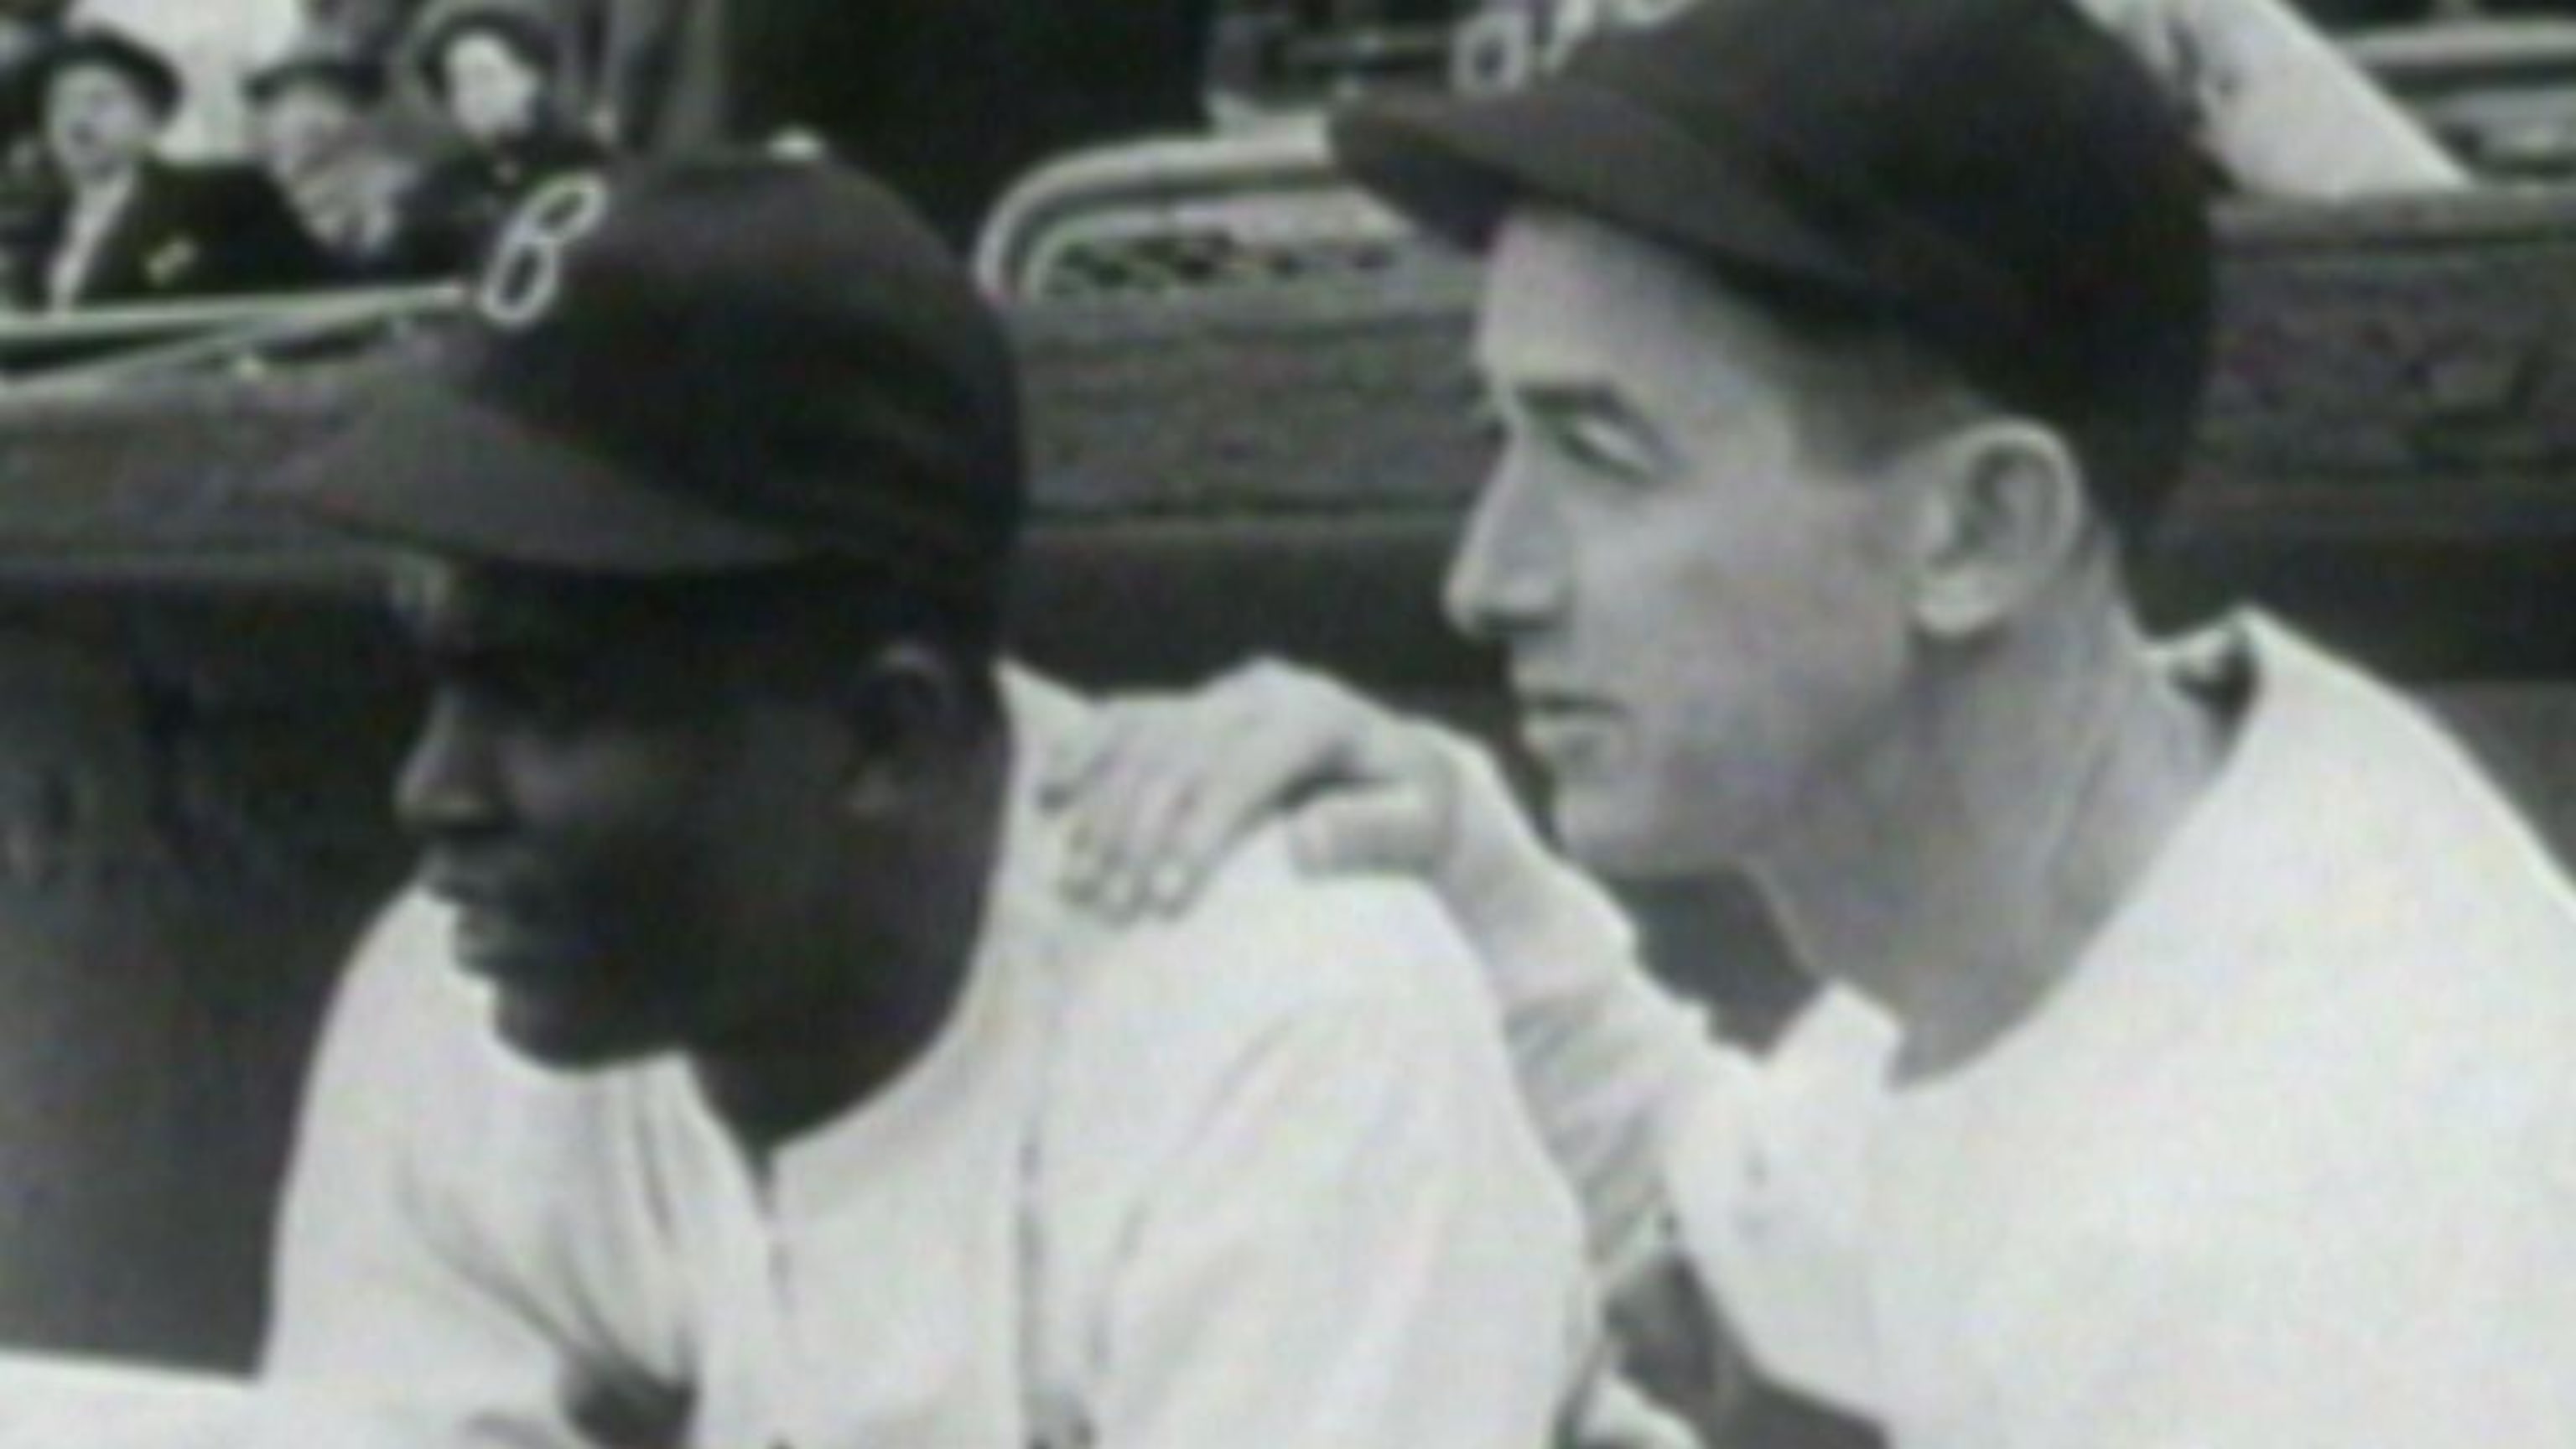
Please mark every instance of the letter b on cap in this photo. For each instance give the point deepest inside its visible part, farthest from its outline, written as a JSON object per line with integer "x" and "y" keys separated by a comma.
{"x": 525, "y": 275}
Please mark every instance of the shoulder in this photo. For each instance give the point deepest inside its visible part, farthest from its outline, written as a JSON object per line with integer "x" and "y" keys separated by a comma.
{"x": 2348, "y": 823}
{"x": 404, "y": 1018}
{"x": 1266, "y": 946}
{"x": 1349, "y": 1007}
{"x": 398, "y": 989}
{"x": 1265, "y": 951}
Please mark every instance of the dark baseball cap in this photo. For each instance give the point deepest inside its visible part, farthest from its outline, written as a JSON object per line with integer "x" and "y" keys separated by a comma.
{"x": 700, "y": 366}
{"x": 2000, "y": 179}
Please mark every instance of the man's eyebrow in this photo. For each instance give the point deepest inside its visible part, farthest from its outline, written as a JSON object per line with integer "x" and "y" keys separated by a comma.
{"x": 452, "y": 631}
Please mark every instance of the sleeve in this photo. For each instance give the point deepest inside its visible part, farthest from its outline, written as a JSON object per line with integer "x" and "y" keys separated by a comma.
{"x": 382, "y": 1292}
{"x": 1671, "y": 1137}
{"x": 1355, "y": 1243}
{"x": 1613, "y": 1066}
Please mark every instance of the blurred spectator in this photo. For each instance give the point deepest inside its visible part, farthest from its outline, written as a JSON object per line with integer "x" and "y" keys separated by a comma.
{"x": 948, "y": 101}
{"x": 28, "y": 191}
{"x": 315, "y": 126}
{"x": 214, "y": 45}
{"x": 27, "y": 30}
{"x": 131, "y": 226}
{"x": 372, "y": 28}
{"x": 497, "y": 69}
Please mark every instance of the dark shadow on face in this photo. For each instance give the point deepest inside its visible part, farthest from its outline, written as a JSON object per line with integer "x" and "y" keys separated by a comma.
{"x": 632, "y": 820}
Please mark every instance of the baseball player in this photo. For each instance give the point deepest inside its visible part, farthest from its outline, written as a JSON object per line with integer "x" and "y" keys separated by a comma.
{"x": 734, "y": 1077}
{"x": 2195, "y": 1066}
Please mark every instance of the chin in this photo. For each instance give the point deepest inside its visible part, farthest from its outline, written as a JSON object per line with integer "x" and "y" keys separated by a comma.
{"x": 1627, "y": 839}
{"x": 562, "y": 1037}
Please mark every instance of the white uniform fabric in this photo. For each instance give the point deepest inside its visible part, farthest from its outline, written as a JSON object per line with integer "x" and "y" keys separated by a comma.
{"x": 1257, "y": 1176}
{"x": 51, "y": 1399}
{"x": 2289, "y": 1160}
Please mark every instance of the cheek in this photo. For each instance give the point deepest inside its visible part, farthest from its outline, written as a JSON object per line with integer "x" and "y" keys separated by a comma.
{"x": 737, "y": 844}
{"x": 1755, "y": 658}
{"x": 627, "y": 826}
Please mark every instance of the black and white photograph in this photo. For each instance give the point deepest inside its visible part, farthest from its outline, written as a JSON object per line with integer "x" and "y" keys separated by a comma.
{"x": 1287, "y": 724}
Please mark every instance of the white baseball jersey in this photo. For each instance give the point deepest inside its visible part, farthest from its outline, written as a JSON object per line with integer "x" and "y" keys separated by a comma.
{"x": 2287, "y": 1162}
{"x": 1255, "y": 1176}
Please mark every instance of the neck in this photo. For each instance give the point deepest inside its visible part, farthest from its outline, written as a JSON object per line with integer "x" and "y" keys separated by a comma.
{"x": 887, "y": 988}
{"x": 1964, "y": 872}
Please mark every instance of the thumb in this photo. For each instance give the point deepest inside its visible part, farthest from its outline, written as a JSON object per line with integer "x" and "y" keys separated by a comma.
{"x": 1386, "y": 830}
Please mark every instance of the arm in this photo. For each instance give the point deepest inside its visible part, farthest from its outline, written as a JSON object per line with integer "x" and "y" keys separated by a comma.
{"x": 1621, "y": 1080}
{"x": 1614, "y": 1066}
{"x": 1160, "y": 790}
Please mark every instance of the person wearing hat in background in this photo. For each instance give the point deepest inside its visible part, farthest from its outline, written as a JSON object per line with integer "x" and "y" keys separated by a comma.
{"x": 318, "y": 133}
{"x": 2194, "y": 1062}
{"x": 735, "y": 1076}
{"x": 213, "y": 45}
{"x": 29, "y": 193}
{"x": 132, "y": 227}
{"x": 498, "y": 72}
{"x": 27, "y": 32}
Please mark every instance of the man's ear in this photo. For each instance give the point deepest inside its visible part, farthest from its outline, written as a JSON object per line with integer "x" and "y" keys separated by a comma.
{"x": 906, "y": 711}
{"x": 2003, "y": 514}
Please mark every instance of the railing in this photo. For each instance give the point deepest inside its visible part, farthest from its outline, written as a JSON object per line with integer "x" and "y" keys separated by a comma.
{"x": 112, "y": 347}
{"x": 2502, "y": 93}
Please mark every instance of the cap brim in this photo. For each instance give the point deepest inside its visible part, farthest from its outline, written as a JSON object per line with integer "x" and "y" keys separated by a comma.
{"x": 1458, "y": 168}
{"x": 429, "y": 469}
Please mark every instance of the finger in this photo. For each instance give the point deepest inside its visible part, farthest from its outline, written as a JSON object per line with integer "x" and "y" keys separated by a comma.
{"x": 1378, "y": 831}
{"x": 1400, "y": 821}
{"x": 1092, "y": 803}
{"x": 1137, "y": 854}
{"x": 1152, "y": 777}
{"x": 1071, "y": 760}
{"x": 1245, "y": 788}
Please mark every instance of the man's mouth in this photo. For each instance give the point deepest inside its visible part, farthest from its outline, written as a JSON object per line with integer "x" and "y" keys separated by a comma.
{"x": 1561, "y": 727}
{"x": 492, "y": 934}
{"x": 1541, "y": 701}
{"x": 485, "y": 942}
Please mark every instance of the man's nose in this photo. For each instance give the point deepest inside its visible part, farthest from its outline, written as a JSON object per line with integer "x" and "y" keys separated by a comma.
{"x": 449, "y": 784}
{"x": 1511, "y": 573}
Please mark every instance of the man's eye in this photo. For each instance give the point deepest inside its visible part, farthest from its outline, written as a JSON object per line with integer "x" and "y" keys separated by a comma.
{"x": 542, "y": 698}
{"x": 551, "y": 703}
{"x": 1605, "y": 445}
